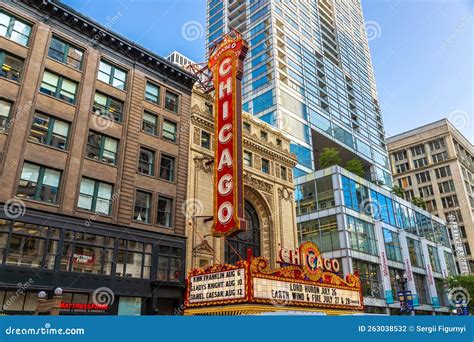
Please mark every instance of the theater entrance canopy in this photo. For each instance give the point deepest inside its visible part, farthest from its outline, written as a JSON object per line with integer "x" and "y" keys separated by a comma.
{"x": 304, "y": 283}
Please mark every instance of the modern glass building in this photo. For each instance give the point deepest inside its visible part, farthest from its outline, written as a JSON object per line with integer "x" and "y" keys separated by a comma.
{"x": 309, "y": 72}
{"x": 374, "y": 232}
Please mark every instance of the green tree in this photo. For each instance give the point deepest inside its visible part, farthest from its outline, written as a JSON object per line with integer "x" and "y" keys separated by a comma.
{"x": 329, "y": 157}
{"x": 398, "y": 190}
{"x": 355, "y": 166}
{"x": 461, "y": 287}
{"x": 419, "y": 202}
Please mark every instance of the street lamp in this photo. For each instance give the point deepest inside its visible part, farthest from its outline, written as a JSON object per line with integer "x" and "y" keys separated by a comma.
{"x": 404, "y": 296}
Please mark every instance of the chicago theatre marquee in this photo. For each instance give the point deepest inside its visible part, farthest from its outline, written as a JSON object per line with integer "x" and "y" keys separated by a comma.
{"x": 242, "y": 252}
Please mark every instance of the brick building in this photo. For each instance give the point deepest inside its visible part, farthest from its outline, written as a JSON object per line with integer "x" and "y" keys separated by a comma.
{"x": 93, "y": 163}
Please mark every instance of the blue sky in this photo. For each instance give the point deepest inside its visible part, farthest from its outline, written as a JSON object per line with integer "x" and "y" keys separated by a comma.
{"x": 422, "y": 51}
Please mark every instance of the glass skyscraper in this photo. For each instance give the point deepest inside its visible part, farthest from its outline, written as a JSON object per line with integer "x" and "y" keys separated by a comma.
{"x": 309, "y": 72}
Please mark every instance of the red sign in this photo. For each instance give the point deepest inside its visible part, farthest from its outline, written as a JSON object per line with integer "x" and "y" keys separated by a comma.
{"x": 226, "y": 64}
{"x": 84, "y": 306}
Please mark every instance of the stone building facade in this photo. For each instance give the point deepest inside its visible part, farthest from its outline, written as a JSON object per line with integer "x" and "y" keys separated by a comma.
{"x": 268, "y": 191}
{"x": 93, "y": 162}
{"x": 436, "y": 162}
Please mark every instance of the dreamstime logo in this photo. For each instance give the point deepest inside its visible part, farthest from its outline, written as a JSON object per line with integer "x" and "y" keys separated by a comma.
{"x": 14, "y": 208}
{"x": 192, "y": 30}
{"x": 371, "y": 208}
{"x": 103, "y": 296}
{"x": 373, "y": 30}
{"x": 458, "y": 295}
{"x": 192, "y": 207}
{"x": 102, "y": 120}
{"x": 459, "y": 118}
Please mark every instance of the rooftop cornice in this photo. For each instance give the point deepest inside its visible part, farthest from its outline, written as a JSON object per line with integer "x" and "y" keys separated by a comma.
{"x": 99, "y": 34}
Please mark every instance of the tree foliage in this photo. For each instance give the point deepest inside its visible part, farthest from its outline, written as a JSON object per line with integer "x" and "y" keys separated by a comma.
{"x": 398, "y": 190}
{"x": 329, "y": 157}
{"x": 419, "y": 202}
{"x": 355, "y": 166}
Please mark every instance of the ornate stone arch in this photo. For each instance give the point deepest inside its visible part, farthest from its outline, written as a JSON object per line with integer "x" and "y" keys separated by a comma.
{"x": 262, "y": 207}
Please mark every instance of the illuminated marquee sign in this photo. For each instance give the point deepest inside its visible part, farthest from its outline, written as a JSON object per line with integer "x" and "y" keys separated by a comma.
{"x": 299, "y": 284}
{"x": 294, "y": 293}
{"x": 225, "y": 285}
{"x": 226, "y": 64}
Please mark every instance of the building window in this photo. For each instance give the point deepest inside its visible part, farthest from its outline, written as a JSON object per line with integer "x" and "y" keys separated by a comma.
{"x": 404, "y": 182}
{"x": 167, "y": 165}
{"x": 437, "y": 144}
{"x": 150, "y": 123}
{"x": 5, "y": 109}
{"x": 355, "y": 195}
{"x": 95, "y": 196}
{"x": 39, "y": 183}
{"x": 423, "y": 177}
{"x": 142, "y": 211}
{"x": 322, "y": 231}
{"x": 247, "y": 127}
{"x": 171, "y": 101}
{"x": 87, "y": 253}
{"x": 440, "y": 157}
{"x": 108, "y": 106}
{"x": 102, "y": 148}
{"x": 14, "y": 29}
{"x": 169, "y": 263}
{"x": 59, "y": 87}
{"x": 361, "y": 235}
{"x": 434, "y": 258}
{"x": 431, "y": 206}
{"x": 392, "y": 245}
{"x": 426, "y": 191}
{"x": 265, "y": 166}
{"x": 146, "y": 162}
{"x": 65, "y": 53}
{"x": 164, "y": 214}
{"x": 205, "y": 140}
{"x": 11, "y": 66}
{"x": 417, "y": 150}
{"x": 450, "y": 201}
{"x": 283, "y": 173}
{"x": 420, "y": 288}
{"x": 209, "y": 108}
{"x": 112, "y": 75}
{"x": 416, "y": 255}
{"x": 442, "y": 172}
{"x": 237, "y": 246}
{"x": 248, "y": 159}
{"x": 369, "y": 278}
{"x": 49, "y": 131}
{"x": 170, "y": 131}
{"x": 134, "y": 259}
{"x": 278, "y": 142}
{"x": 417, "y": 163}
{"x": 152, "y": 93}
{"x": 264, "y": 135}
{"x": 446, "y": 187}
{"x": 401, "y": 155}
{"x": 29, "y": 244}
{"x": 402, "y": 167}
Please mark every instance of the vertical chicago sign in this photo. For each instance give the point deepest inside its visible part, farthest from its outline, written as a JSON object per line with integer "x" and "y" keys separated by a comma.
{"x": 226, "y": 64}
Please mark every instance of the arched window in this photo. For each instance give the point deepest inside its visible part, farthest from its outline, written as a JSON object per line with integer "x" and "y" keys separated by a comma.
{"x": 236, "y": 247}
